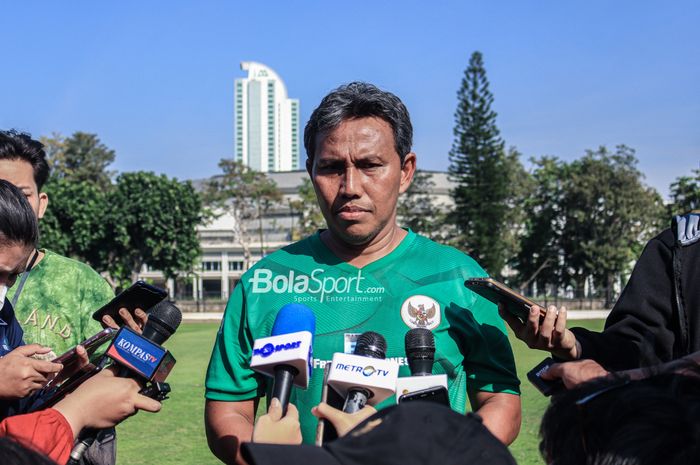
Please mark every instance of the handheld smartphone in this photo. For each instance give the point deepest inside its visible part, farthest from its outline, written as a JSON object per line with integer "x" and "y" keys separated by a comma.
{"x": 545, "y": 386}
{"x": 436, "y": 394}
{"x": 498, "y": 292}
{"x": 90, "y": 344}
{"x": 138, "y": 295}
{"x": 74, "y": 372}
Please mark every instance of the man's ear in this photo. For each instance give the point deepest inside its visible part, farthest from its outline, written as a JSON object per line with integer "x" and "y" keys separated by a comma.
{"x": 309, "y": 166}
{"x": 407, "y": 171}
{"x": 43, "y": 203}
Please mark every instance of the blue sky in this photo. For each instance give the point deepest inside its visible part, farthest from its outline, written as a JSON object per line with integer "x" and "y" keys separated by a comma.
{"x": 155, "y": 79}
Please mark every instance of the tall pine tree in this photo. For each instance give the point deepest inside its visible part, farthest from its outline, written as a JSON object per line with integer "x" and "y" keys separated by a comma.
{"x": 485, "y": 176}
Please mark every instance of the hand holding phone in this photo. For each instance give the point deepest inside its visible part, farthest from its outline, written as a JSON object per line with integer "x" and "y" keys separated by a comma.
{"x": 139, "y": 296}
{"x": 546, "y": 387}
{"x": 548, "y": 332}
{"x": 500, "y": 294}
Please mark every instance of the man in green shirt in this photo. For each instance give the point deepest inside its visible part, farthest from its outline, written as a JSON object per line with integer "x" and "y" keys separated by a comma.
{"x": 363, "y": 273}
{"x": 55, "y": 297}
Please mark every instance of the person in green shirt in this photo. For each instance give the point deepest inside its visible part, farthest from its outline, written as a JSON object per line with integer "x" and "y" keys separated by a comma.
{"x": 55, "y": 298}
{"x": 362, "y": 273}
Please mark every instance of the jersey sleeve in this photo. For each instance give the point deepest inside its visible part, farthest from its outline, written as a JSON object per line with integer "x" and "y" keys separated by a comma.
{"x": 229, "y": 376}
{"x": 488, "y": 361}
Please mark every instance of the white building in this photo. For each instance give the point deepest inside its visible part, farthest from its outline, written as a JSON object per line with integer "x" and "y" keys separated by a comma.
{"x": 266, "y": 121}
{"x": 208, "y": 286}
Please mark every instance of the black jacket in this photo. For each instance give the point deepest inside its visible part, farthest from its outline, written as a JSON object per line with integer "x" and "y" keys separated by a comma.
{"x": 657, "y": 318}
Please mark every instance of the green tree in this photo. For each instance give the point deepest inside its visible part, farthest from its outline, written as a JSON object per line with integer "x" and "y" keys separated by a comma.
{"x": 483, "y": 172}
{"x": 685, "y": 194}
{"x": 306, "y": 209}
{"x": 151, "y": 220}
{"x": 417, "y": 210}
{"x": 73, "y": 224}
{"x": 246, "y": 195}
{"x": 539, "y": 259}
{"x": 80, "y": 157}
{"x": 608, "y": 212}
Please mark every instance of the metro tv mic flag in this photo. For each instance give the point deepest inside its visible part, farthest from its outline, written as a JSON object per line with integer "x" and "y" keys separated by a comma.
{"x": 365, "y": 376}
{"x": 286, "y": 355}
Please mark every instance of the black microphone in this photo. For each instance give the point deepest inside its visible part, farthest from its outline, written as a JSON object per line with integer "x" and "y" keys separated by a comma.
{"x": 420, "y": 351}
{"x": 163, "y": 320}
{"x": 372, "y": 345}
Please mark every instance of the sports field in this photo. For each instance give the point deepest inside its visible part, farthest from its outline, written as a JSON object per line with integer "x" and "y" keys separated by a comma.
{"x": 176, "y": 434}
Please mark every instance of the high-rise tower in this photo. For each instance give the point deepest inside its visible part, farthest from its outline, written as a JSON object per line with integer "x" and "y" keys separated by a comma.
{"x": 266, "y": 121}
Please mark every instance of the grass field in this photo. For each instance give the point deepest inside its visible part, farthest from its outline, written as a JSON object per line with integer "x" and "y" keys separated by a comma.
{"x": 176, "y": 434}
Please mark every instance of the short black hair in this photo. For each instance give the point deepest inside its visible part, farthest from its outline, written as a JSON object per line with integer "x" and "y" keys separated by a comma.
{"x": 615, "y": 421}
{"x": 18, "y": 224}
{"x": 360, "y": 100}
{"x": 16, "y": 145}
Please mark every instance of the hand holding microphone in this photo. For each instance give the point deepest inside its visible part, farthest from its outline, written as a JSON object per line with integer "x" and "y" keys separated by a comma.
{"x": 104, "y": 401}
{"x": 342, "y": 422}
{"x": 141, "y": 358}
{"x": 277, "y": 428}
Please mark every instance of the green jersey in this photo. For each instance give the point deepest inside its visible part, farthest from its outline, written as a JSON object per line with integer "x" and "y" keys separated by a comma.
{"x": 57, "y": 301}
{"x": 419, "y": 284}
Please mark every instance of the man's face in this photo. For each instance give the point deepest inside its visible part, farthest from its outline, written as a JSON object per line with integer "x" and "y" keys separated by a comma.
{"x": 357, "y": 176}
{"x": 21, "y": 174}
{"x": 13, "y": 259}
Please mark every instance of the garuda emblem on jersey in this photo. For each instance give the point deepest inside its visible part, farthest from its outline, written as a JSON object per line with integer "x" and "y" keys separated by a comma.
{"x": 420, "y": 311}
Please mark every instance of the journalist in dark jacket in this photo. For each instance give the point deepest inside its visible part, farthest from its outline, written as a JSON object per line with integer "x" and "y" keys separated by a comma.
{"x": 656, "y": 319}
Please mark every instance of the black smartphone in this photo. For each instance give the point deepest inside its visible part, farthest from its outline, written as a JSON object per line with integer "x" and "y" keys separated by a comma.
{"x": 545, "y": 386}
{"x": 138, "y": 295}
{"x": 498, "y": 292}
{"x": 74, "y": 373}
{"x": 90, "y": 344}
{"x": 436, "y": 394}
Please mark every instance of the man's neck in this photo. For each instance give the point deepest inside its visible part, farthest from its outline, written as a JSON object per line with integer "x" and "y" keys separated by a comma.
{"x": 362, "y": 255}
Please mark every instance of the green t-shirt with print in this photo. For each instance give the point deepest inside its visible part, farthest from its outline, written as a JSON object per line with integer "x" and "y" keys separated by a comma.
{"x": 57, "y": 301}
{"x": 419, "y": 284}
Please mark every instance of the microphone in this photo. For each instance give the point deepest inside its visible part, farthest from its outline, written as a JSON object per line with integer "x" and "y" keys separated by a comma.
{"x": 372, "y": 345}
{"x": 365, "y": 376}
{"x": 420, "y": 352}
{"x": 286, "y": 355}
{"x": 163, "y": 320}
{"x": 141, "y": 357}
